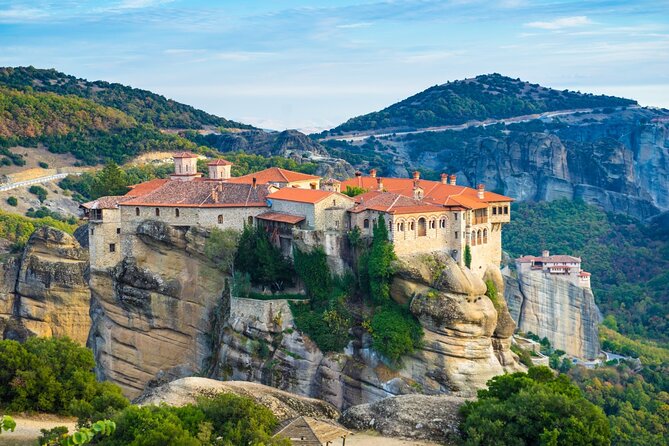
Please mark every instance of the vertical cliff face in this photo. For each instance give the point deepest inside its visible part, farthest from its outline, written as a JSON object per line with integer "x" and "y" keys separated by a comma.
{"x": 150, "y": 314}
{"x": 555, "y": 308}
{"x": 45, "y": 291}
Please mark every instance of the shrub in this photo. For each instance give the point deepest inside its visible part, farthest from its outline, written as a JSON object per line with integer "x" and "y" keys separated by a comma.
{"x": 327, "y": 328}
{"x": 12, "y": 201}
{"x": 43, "y": 165}
{"x": 221, "y": 247}
{"x": 312, "y": 268}
{"x": 261, "y": 260}
{"x": 468, "y": 256}
{"x": 39, "y": 191}
{"x": 53, "y": 375}
{"x": 530, "y": 409}
{"x": 395, "y": 332}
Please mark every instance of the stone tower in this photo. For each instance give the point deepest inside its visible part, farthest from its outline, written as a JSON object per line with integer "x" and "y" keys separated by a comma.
{"x": 219, "y": 169}
{"x": 185, "y": 166}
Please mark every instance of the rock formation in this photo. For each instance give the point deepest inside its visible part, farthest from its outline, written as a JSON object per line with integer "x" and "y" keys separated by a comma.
{"x": 418, "y": 417}
{"x": 45, "y": 291}
{"x": 161, "y": 314}
{"x": 553, "y": 307}
{"x": 283, "y": 404}
{"x": 151, "y": 312}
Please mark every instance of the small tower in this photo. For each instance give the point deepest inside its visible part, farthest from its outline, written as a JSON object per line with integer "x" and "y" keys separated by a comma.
{"x": 219, "y": 169}
{"x": 185, "y": 166}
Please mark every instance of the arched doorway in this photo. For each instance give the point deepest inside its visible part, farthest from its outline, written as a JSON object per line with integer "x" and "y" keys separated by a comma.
{"x": 422, "y": 227}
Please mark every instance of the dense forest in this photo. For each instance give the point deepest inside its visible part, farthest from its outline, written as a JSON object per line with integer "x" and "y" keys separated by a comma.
{"x": 480, "y": 98}
{"x": 144, "y": 106}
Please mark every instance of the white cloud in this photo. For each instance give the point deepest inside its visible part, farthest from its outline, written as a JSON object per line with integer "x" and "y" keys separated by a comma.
{"x": 21, "y": 14}
{"x": 561, "y": 23}
{"x": 139, "y": 4}
{"x": 355, "y": 25}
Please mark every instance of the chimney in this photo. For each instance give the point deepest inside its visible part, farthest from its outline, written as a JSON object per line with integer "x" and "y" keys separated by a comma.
{"x": 416, "y": 175}
{"x": 312, "y": 185}
{"x": 214, "y": 195}
{"x": 358, "y": 173}
{"x": 481, "y": 192}
{"x": 545, "y": 253}
{"x": 379, "y": 184}
{"x": 453, "y": 180}
{"x": 372, "y": 173}
{"x": 444, "y": 178}
{"x": 254, "y": 182}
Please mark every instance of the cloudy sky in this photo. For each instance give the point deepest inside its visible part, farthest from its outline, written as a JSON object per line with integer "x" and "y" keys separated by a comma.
{"x": 313, "y": 64}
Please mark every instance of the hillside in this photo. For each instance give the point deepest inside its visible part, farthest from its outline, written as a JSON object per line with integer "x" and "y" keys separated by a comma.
{"x": 146, "y": 107}
{"x": 483, "y": 97}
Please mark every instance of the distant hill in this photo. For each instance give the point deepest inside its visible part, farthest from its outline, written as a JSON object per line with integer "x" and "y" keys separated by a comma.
{"x": 146, "y": 107}
{"x": 94, "y": 121}
{"x": 483, "y": 97}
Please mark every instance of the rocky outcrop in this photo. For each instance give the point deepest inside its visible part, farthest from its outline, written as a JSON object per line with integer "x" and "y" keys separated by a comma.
{"x": 151, "y": 313}
{"x": 284, "y": 405}
{"x": 45, "y": 291}
{"x": 553, "y": 307}
{"x": 418, "y": 417}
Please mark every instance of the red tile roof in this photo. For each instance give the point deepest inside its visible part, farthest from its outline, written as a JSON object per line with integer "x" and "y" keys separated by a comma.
{"x": 273, "y": 175}
{"x": 280, "y": 217}
{"x": 393, "y": 203}
{"x": 203, "y": 194}
{"x": 146, "y": 187}
{"x": 109, "y": 202}
{"x": 549, "y": 259}
{"x": 304, "y": 195}
{"x": 185, "y": 155}
{"x": 435, "y": 192}
{"x": 220, "y": 162}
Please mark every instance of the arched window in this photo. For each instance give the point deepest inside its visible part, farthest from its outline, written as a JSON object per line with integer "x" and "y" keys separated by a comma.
{"x": 137, "y": 211}
{"x": 422, "y": 227}
{"x": 365, "y": 223}
{"x": 442, "y": 223}
{"x": 412, "y": 225}
{"x": 157, "y": 212}
{"x": 400, "y": 227}
{"x": 176, "y": 212}
{"x": 479, "y": 238}
{"x": 473, "y": 238}
{"x": 220, "y": 219}
{"x": 485, "y": 236}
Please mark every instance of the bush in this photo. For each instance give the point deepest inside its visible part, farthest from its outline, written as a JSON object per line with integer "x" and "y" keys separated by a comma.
{"x": 43, "y": 165}
{"x": 261, "y": 260}
{"x": 12, "y": 201}
{"x": 312, "y": 268}
{"x": 221, "y": 248}
{"x": 468, "y": 256}
{"x": 327, "y": 328}
{"x": 39, "y": 191}
{"x": 531, "y": 409}
{"x": 395, "y": 332}
{"x": 53, "y": 375}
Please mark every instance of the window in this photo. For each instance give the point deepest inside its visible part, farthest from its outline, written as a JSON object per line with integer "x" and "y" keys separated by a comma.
{"x": 118, "y": 230}
{"x": 179, "y": 168}
{"x": 442, "y": 223}
{"x": 506, "y": 210}
{"x": 456, "y": 235}
{"x": 473, "y": 237}
{"x": 112, "y": 247}
{"x": 157, "y": 212}
{"x": 479, "y": 238}
{"x": 400, "y": 227}
{"x": 176, "y": 212}
{"x": 137, "y": 211}
{"x": 485, "y": 236}
{"x": 334, "y": 202}
{"x": 494, "y": 210}
{"x": 365, "y": 223}
{"x": 456, "y": 216}
{"x": 337, "y": 224}
{"x": 250, "y": 220}
{"x": 432, "y": 224}
{"x": 220, "y": 219}
{"x": 92, "y": 231}
{"x": 422, "y": 229}
{"x": 411, "y": 226}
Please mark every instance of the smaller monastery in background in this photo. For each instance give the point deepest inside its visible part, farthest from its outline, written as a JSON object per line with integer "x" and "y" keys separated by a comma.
{"x": 563, "y": 266}
{"x": 422, "y": 215}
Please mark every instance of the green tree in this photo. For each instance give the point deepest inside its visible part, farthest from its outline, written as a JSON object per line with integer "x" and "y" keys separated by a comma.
{"x": 379, "y": 263}
{"x": 110, "y": 181}
{"x": 221, "y": 248}
{"x": 534, "y": 408}
{"x": 468, "y": 256}
{"x": 12, "y": 201}
{"x": 39, "y": 191}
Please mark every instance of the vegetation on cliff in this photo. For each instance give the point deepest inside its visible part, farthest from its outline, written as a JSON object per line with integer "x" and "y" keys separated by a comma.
{"x": 629, "y": 260}
{"x": 486, "y": 96}
{"x": 18, "y": 229}
{"x": 533, "y": 408}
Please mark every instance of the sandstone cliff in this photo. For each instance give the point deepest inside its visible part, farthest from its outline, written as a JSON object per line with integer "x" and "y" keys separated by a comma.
{"x": 553, "y": 307}
{"x": 150, "y": 313}
{"x": 162, "y": 314}
{"x": 44, "y": 292}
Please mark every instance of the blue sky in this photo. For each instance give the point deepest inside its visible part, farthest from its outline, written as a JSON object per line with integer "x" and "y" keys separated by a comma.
{"x": 313, "y": 64}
